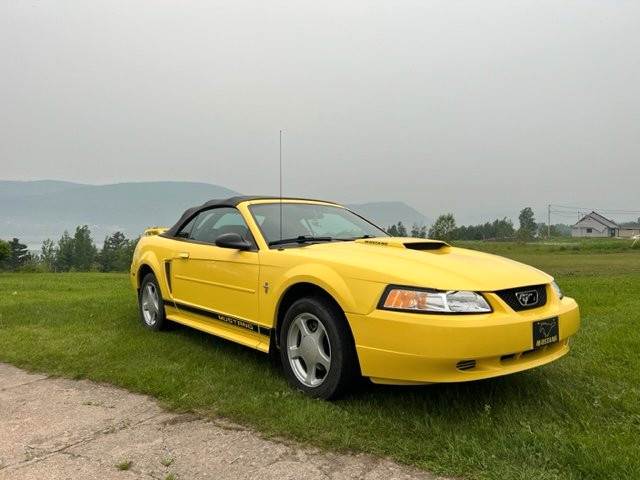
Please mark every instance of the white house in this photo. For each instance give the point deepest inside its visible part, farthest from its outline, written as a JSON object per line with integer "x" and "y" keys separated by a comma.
{"x": 595, "y": 225}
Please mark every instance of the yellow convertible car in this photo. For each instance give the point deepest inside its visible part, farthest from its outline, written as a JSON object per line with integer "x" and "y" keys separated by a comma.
{"x": 335, "y": 297}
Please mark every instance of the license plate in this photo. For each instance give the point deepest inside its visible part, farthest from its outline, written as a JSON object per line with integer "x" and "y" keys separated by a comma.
{"x": 545, "y": 332}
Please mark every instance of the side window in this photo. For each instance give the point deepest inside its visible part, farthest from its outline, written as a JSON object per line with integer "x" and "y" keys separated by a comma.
{"x": 202, "y": 229}
{"x": 207, "y": 226}
{"x": 230, "y": 218}
{"x": 185, "y": 231}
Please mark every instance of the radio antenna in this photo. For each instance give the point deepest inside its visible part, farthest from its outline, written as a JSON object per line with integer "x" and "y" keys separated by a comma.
{"x": 280, "y": 184}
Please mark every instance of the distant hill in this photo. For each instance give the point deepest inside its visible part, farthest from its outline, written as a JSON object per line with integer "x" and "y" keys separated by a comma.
{"x": 36, "y": 210}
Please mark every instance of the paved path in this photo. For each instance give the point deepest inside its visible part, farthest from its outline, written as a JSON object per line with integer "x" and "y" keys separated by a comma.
{"x": 52, "y": 428}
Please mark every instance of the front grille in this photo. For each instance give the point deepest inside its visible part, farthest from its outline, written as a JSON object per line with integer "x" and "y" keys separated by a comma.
{"x": 466, "y": 364}
{"x": 526, "y": 294}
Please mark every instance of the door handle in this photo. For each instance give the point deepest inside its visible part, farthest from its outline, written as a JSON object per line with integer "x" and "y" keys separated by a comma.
{"x": 184, "y": 255}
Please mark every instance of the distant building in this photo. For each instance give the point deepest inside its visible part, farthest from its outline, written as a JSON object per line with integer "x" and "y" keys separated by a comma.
{"x": 595, "y": 225}
{"x": 630, "y": 231}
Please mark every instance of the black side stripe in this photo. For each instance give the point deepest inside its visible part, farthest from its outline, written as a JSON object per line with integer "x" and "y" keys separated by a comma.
{"x": 236, "y": 322}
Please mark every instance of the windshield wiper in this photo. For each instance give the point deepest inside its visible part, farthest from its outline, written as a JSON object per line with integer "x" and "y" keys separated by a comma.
{"x": 301, "y": 239}
{"x": 357, "y": 238}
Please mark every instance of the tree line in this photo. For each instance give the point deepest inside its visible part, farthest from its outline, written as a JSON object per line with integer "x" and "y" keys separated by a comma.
{"x": 71, "y": 253}
{"x": 445, "y": 228}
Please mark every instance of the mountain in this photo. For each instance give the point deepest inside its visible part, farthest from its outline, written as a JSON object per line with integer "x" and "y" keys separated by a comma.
{"x": 37, "y": 210}
{"x": 34, "y": 211}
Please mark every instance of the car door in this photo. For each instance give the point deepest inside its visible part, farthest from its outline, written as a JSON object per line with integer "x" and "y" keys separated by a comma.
{"x": 213, "y": 285}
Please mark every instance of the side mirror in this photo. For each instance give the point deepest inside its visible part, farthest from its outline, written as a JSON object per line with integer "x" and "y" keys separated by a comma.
{"x": 233, "y": 240}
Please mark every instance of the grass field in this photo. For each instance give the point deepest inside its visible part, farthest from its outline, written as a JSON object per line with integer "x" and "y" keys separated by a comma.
{"x": 576, "y": 418}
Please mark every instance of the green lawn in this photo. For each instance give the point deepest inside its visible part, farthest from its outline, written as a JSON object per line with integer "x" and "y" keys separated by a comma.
{"x": 576, "y": 418}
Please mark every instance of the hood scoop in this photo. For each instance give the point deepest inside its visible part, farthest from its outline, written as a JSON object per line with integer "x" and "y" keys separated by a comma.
{"x": 429, "y": 245}
{"x": 404, "y": 242}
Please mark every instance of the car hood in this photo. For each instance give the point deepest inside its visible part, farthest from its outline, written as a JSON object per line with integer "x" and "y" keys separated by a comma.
{"x": 420, "y": 262}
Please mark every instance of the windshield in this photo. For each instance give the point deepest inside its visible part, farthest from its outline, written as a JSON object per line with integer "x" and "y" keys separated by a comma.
{"x": 310, "y": 222}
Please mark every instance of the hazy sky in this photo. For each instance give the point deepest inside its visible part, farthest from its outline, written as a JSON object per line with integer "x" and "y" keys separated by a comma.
{"x": 478, "y": 108}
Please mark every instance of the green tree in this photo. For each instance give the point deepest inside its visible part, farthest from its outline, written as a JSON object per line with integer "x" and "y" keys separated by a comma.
{"x": 116, "y": 253}
{"x": 48, "y": 255}
{"x": 5, "y": 252}
{"x": 397, "y": 230}
{"x": 84, "y": 250}
{"x": 443, "y": 228}
{"x": 503, "y": 229}
{"x": 498, "y": 230}
{"x": 19, "y": 255}
{"x": 563, "y": 229}
{"x": 126, "y": 254}
{"x": 32, "y": 264}
{"x": 419, "y": 230}
{"x": 553, "y": 231}
{"x": 64, "y": 253}
{"x": 528, "y": 225}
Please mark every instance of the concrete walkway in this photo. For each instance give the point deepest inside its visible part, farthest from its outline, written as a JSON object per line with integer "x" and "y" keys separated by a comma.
{"x": 52, "y": 428}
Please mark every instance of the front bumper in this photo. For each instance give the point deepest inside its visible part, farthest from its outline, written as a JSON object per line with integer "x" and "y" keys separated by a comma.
{"x": 409, "y": 348}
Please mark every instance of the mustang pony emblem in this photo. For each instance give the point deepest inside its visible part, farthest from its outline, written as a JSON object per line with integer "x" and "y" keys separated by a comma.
{"x": 545, "y": 328}
{"x": 528, "y": 298}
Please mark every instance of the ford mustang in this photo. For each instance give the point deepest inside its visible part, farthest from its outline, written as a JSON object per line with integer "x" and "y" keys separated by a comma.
{"x": 334, "y": 297}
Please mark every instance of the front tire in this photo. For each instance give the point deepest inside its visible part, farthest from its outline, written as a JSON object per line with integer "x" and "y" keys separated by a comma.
{"x": 152, "y": 313}
{"x": 317, "y": 350}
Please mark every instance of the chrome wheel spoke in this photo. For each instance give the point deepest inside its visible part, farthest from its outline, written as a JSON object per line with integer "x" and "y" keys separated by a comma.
{"x": 308, "y": 349}
{"x": 294, "y": 353}
{"x": 156, "y": 306}
{"x": 310, "y": 377}
{"x": 324, "y": 360}
{"x": 301, "y": 324}
{"x": 150, "y": 304}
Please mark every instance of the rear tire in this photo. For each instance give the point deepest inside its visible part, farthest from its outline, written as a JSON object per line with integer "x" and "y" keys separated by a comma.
{"x": 317, "y": 350}
{"x": 152, "y": 313}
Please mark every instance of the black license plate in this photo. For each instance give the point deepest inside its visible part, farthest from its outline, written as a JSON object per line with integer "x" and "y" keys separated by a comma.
{"x": 545, "y": 332}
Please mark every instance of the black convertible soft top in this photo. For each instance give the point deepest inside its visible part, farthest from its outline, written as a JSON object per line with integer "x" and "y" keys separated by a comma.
{"x": 189, "y": 213}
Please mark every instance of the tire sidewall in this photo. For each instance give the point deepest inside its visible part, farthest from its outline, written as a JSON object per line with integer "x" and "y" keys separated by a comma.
{"x": 341, "y": 369}
{"x": 159, "y": 325}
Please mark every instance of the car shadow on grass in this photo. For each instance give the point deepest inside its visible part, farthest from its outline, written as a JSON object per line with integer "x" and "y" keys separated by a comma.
{"x": 531, "y": 391}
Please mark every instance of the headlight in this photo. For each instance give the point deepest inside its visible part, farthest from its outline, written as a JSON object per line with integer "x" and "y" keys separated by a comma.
{"x": 556, "y": 289}
{"x": 432, "y": 301}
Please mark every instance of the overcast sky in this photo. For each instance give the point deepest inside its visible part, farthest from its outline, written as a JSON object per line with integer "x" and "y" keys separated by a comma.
{"x": 478, "y": 108}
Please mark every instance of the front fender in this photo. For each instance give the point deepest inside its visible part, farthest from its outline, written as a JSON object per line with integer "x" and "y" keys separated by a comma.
{"x": 323, "y": 277}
